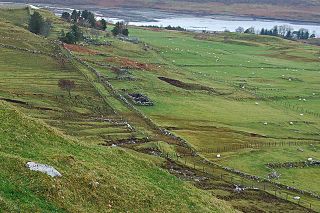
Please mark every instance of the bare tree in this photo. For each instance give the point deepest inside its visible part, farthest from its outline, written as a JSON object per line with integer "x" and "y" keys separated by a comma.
{"x": 67, "y": 85}
{"x": 240, "y": 30}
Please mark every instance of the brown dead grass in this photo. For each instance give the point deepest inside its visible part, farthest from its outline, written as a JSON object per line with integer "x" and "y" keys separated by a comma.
{"x": 80, "y": 49}
{"x": 131, "y": 64}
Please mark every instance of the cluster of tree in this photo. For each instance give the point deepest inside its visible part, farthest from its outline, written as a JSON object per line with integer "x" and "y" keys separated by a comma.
{"x": 283, "y": 31}
{"x": 84, "y": 18}
{"x": 38, "y": 25}
{"x": 73, "y": 36}
{"x": 178, "y": 28}
{"x": 120, "y": 28}
{"x": 287, "y": 32}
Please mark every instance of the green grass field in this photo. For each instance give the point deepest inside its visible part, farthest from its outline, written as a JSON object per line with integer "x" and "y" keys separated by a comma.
{"x": 265, "y": 90}
{"x": 245, "y": 97}
{"x": 40, "y": 122}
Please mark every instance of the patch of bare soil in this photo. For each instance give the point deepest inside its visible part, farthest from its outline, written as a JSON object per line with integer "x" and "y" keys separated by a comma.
{"x": 130, "y": 64}
{"x": 80, "y": 49}
{"x": 126, "y": 141}
{"x": 188, "y": 86}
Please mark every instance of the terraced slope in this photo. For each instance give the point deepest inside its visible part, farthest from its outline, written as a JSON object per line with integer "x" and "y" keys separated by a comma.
{"x": 45, "y": 125}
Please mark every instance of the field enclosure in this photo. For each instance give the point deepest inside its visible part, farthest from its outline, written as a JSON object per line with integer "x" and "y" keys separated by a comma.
{"x": 237, "y": 95}
{"x": 239, "y": 101}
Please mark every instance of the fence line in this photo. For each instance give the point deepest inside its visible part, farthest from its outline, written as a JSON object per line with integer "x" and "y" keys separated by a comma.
{"x": 181, "y": 141}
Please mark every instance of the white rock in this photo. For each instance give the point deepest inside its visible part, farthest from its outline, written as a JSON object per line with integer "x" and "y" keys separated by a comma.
{"x": 49, "y": 170}
{"x": 113, "y": 145}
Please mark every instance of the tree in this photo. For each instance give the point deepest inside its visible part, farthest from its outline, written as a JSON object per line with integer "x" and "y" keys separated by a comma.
{"x": 91, "y": 19}
{"x": 67, "y": 85}
{"x": 77, "y": 32}
{"x": 249, "y": 30}
{"x": 73, "y": 36}
{"x": 239, "y": 30}
{"x": 275, "y": 31}
{"x": 125, "y": 32}
{"x": 74, "y": 16}
{"x": 66, "y": 16}
{"x": 103, "y": 24}
{"x": 36, "y": 23}
{"x": 85, "y": 14}
{"x": 120, "y": 28}
{"x": 288, "y": 35}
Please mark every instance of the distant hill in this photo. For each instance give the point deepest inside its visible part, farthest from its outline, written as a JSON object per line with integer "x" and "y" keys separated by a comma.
{"x": 161, "y": 2}
{"x": 299, "y": 10}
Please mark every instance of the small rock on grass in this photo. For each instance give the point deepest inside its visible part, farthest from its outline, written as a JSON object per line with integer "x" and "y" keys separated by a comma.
{"x": 49, "y": 170}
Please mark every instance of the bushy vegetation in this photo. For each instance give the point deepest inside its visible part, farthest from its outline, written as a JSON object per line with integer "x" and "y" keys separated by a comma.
{"x": 84, "y": 18}
{"x": 280, "y": 31}
{"x": 73, "y": 36}
{"x": 38, "y": 25}
{"x": 120, "y": 28}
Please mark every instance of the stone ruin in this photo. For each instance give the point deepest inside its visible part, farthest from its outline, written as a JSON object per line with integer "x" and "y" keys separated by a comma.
{"x": 140, "y": 99}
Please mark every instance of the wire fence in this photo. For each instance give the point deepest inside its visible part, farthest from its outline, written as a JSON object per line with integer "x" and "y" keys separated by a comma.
{"x": 255, "y": 145}
{"x": 195, "y": 161}
{"x": 309, "y": 200}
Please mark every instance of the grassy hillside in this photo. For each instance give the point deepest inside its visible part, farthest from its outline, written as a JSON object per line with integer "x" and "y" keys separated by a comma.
{"x": 252, "y": 99}
{"x": 126, "y": 181}
{"x": 45, "y": 125}
{"x": 225, "y": 93}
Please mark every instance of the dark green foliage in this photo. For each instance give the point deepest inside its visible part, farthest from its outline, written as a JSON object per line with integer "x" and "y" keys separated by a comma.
{"x": 249, "y": 30}
{"x": 75, "y": 35}
{"x": 288, "y": 35}
{"x": 66, "y": 16}
{"x": 285, "y": 32}
{"x": 38, "y": 25}
{"x": 74, "y": 16}
{"x": 175, "y": 28}
{"x": 125, "y": 32}
{"x": 120, "y": 28}
{"x": 35, "y": 23}
{"x": 103, "y": 24}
